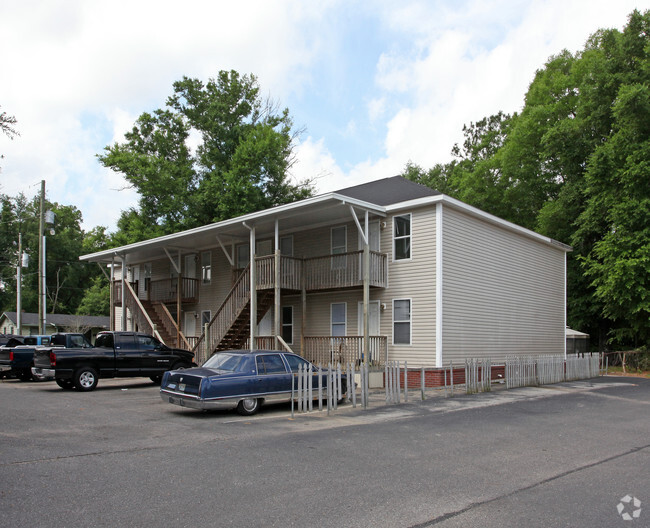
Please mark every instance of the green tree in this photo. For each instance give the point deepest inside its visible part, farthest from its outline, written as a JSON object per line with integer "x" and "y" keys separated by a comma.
{"x": 574, "y": 166}
{"x": 96, "y": 299}
{"x": 7, "y": 126}
{"x": 241, "y": 163}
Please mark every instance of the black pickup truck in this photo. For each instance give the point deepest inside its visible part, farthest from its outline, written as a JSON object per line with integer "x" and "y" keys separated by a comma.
{"x": 115, "y": 355}
{"x": 18, "y": 360}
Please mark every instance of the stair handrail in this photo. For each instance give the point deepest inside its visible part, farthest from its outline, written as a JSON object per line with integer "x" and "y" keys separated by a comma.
{"x": 140, "y": 312}
{"x": 176, "y": 326}
{"x": 244, "y": 278}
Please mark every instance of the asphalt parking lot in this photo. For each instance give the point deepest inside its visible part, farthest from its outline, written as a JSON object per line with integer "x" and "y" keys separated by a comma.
{"x": 561, "y": 455}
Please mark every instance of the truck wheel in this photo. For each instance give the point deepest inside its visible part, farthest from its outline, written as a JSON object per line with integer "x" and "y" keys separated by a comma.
{"x": 85, "y": 379}
{"x": 180, "y": 366}
{"x": 65, "y": 384}
{"x": 156, "y": 379}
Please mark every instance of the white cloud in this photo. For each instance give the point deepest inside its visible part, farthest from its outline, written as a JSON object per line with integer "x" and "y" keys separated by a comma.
{"x": 79, "y": 72}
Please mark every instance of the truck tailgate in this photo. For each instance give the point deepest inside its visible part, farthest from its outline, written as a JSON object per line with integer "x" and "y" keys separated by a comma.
{"x": 42, "y": 358}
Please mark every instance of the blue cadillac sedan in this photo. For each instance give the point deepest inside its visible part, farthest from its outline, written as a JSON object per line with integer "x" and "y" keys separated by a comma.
{"x": 235, "y": 379}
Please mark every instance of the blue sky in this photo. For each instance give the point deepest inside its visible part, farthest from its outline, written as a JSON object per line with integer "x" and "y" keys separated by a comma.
{"x": 375, "y": 84}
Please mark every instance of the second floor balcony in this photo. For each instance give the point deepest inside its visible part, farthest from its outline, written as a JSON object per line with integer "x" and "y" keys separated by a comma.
{"x": 330, "y": 272}
{"x": 326, "y": 273}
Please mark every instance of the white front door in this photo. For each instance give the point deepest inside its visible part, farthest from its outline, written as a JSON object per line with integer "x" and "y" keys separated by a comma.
{"x": 190, "y": 267}
{"x": 265, "y": 328}
{"x": 373, "y": 318}
{"x": 190, "y": 324}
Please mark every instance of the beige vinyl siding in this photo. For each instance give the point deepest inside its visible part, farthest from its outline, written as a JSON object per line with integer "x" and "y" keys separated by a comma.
{"x": 317, "y": 242}
{"x": 413, "y": 279}
{"x": 503, "y": 293}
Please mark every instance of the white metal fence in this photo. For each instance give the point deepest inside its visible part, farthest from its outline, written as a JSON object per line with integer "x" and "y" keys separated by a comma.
{"x": 332, "y": 384}
{"x": 544, "y": 370}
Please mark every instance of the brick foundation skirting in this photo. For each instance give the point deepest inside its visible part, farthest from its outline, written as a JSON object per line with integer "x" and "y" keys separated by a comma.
{"x": 435, "y": 377}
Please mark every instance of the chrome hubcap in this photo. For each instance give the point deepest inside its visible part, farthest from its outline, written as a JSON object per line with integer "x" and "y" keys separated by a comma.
{"x": 86, "y": 379}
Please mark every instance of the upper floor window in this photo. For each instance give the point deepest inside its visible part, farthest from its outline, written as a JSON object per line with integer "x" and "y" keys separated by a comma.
{"x": 402, "y": 237}
{"x": 206, "y": 267}
{"x": 339, "y": 240}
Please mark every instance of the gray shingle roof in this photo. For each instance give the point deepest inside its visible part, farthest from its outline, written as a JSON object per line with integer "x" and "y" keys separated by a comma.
{"x": 62, "y": 320}
{"x": 388, "y": 191}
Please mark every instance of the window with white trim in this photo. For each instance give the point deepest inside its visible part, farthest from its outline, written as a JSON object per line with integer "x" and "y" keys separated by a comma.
{"x": 338, "y": 312}
{"x": 402, "y": 237}
{"x": 402, "y": 321}
{"x": 339, "y": 245}
{"x": 206, "y": 267}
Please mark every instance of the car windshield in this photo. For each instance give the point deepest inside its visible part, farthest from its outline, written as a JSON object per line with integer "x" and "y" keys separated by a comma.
{"x": 224, "y": 362}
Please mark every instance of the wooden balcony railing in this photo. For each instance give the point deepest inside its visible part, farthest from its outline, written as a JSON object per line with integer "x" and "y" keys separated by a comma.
{"x": 330, "y": 272}
{"x": 345, "y": 349}
{"x": 166, "y": 290}
{"x": 163, "y": 290}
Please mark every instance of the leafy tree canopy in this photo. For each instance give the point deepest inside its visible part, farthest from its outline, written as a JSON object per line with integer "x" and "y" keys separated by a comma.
{"x": 574, "y": 164}
{"x": 240, "y": 164}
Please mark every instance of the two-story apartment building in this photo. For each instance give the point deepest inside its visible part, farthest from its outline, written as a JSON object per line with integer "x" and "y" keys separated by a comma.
{"x": 385, "y": 270}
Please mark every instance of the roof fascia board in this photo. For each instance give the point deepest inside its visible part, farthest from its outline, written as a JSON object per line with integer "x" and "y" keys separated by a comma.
{"x": 478, "y": 213}
{"x": 249, "y": 218}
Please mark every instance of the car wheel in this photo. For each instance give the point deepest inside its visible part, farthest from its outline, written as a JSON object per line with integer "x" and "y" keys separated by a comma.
{"x": 248, "y": 406}
{"x": 85, "y": 379}
{"x": 65, "y": 384}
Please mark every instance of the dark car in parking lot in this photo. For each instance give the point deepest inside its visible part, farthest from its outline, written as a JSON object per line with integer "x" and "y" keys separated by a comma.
{"x": 237, "y": 379}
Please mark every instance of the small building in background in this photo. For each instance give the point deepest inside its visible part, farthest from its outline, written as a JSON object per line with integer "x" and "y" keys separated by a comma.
{"x": 89, "y": 325}
{"x": 576, "y": 342}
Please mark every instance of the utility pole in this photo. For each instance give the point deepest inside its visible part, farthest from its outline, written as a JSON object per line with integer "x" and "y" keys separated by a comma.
{"x": 41, "y": 264}
{"x": 19, "y": 281}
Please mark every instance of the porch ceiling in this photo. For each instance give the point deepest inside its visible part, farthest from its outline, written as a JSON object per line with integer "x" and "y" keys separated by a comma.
{"x": 321, "y": 210}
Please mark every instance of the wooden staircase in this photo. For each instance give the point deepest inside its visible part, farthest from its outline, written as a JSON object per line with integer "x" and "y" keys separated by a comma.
{"x": 240, "y": 330}
{"x": 167, "y": 333}
{"x": 230, "y": 325}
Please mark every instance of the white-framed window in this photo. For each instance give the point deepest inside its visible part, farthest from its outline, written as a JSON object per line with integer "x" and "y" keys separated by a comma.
{"x": 401, "y": 321}
{"x": 339, "y": 245}
{"x": 206, "y": 267}
{"x": 286, "y": 320}
{"x": 402, "y": 237}
{"x": 338, "y": 318}
{"x": 206, "y": 317}
{"x": 339, "y": 240}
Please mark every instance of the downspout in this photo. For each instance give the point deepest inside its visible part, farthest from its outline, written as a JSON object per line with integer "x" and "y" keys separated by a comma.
{"x": 277, "y": 292}
{"x": 253, "y": 286}
{"x": 111, "y": 296}
{"x": 123, "y": 321}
